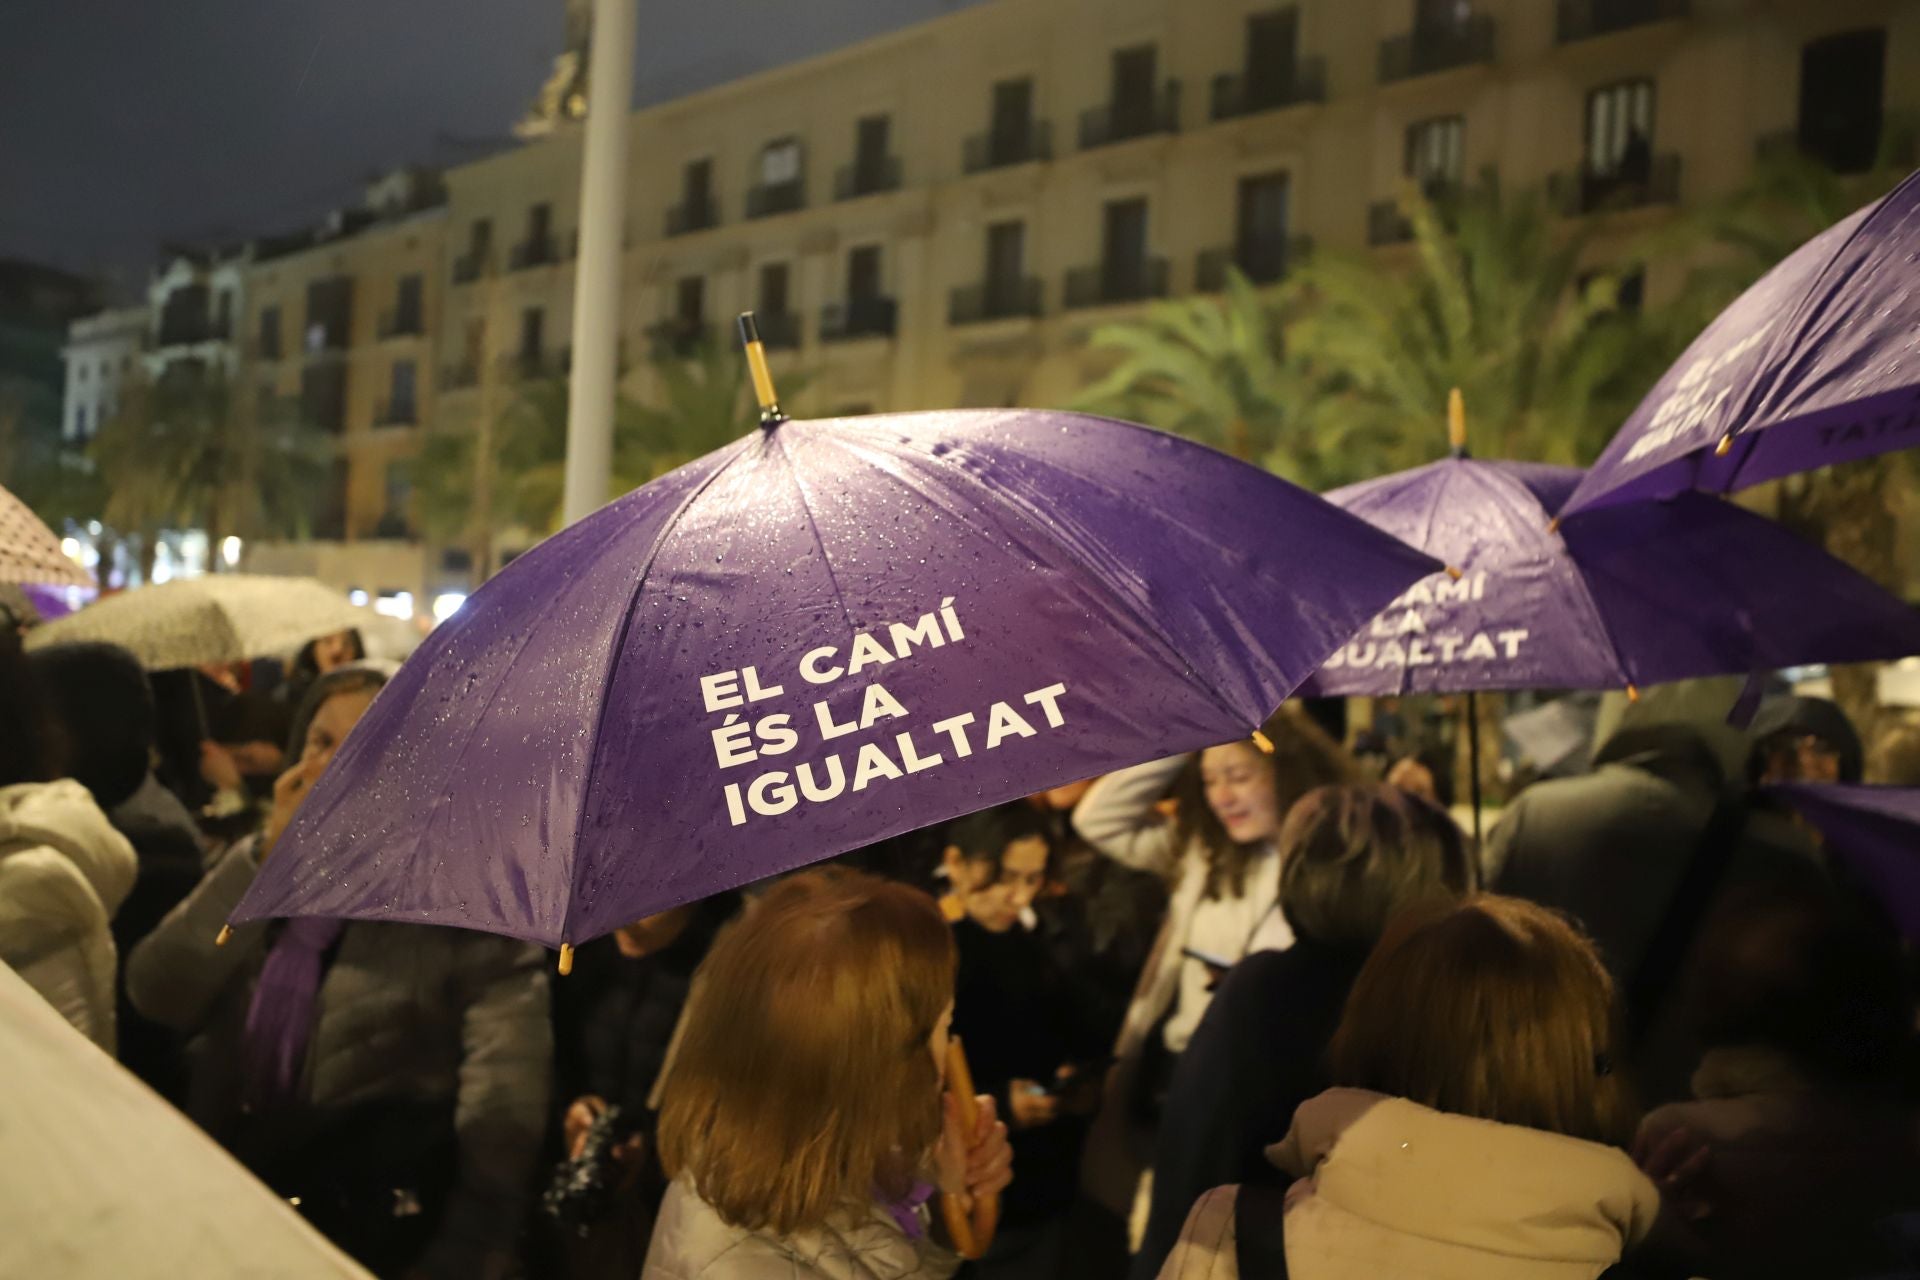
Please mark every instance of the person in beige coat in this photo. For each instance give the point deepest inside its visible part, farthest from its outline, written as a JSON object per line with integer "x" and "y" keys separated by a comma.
{"x": 1480, "y": 1134}
{"x": 802, "y": 1118}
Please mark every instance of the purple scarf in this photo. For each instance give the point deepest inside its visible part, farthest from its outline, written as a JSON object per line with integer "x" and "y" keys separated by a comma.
{"x": 904, "y": 1211}
{"x": 280, "y": 1019}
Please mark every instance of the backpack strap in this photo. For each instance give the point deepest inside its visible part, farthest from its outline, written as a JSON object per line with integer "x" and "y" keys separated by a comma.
{"x": 1259, "y": 1248}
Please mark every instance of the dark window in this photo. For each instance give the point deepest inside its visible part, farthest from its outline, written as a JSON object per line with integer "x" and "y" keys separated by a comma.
{"x": 1620, "y": 130}
{"x": 863, "y": 273}
{"x": 1435, "y": 152}
{"x": 1431, "y": 14}
{"x": 269, "y": 333}
{"x": 870, "y": 145}
{"x": 539, "y": 223}
{"x": 480, "y": 238}
{"x": 690, "y": 301}
{"x": 1132, "y": 102}
{"x": 1272, "y": 39}
{"x": 1006, "y": 255}
{"x": 401, "y": 397}
{"x": 696, "y": 184}
{"x": 1262, "y": 231}
{"x": 1012, "y": 116}
{"x": 532, "y": 320}
{"x": 329, "y": 308}
{"x": 408, "y": 305}
{"x": 399, "y": 494}
{"x": 330, "y": 520}
{"x": 80, "y": 421}
{"x": 1841, "y": 81}
{"x": 780, "y": 162}
{"x": 223, "y": 315}
{"x": 1123, "y": 257}
{"x": 774, "y": 296}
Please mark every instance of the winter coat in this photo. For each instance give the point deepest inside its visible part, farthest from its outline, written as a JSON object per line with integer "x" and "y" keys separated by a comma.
{"x": 406, "y": 1014}
{"x": 1259, "y": 1053}
{"x": 1391, "y": 1188}
{"x": 691, "y": 1241}
{"x": 1798, "y": 1178}
{"x": 64, "y": 871}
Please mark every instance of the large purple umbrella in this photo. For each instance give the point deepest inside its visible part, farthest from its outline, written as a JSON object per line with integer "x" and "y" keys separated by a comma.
{"x": 1876, "y": 831}
{"x": 1813, "y": 365}
{"x": 822, "y": 635}
{"x": 1621, "y": 596}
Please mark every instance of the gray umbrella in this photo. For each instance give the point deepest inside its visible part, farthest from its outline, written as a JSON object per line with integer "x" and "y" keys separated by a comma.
{"x": 228, "y": 617}
{"x": 30, "y": 552}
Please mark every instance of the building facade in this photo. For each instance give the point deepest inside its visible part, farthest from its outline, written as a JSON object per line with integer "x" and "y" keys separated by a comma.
{"x": 101, "y": 357}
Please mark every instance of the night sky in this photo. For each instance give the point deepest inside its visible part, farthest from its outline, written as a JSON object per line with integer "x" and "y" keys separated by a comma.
{"x": 124, "y": 122}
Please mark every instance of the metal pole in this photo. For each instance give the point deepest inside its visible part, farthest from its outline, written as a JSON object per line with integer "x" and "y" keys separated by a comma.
{"x": 1473, "y": 764}
{"x": 597, "y": 270}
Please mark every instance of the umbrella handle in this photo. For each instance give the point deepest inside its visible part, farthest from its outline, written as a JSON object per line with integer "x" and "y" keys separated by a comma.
{"x": 970, "y": 1222}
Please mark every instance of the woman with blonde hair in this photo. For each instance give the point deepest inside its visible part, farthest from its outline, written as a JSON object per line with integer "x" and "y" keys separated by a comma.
{"x": 1480, "y": 1130}
{"x": 802, "y": 1120}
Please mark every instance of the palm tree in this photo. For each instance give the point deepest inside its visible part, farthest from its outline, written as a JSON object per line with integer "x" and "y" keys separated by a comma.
{"x": 1494, "y": 303}
{"x": 704, "y": 402}
{"x": 187, "y": 452}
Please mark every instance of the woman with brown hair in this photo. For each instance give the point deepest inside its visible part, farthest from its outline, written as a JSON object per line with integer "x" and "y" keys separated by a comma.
{"x": 1479, "y": 1134}
{"x": 802, "y": 1119}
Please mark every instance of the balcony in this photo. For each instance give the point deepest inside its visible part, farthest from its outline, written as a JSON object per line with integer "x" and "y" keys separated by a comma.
{"x": 867, "y": 178}
{"x": 1585, "y": 19}
{"x": 779, "y": 330}
{"x": 1239, "y": 95}
{"x": 469, "y": 266}
{"x": 1262, "y": 260}
{"x": 858, "y": 318}
{"x": 1115, "y": 282}
{"x": 190, "y": 331}
{"x": 1010, "y": 299}
{"x": 1131, "y": 118}
{"x": 769, "y": 199}
{"x": 678, "y": 339}
{"x": 460, "y": 377}
{"x": 1441, "y": 47}
{"x": 690, "y": 216}
{"x": 535, "y": 251}
{"x": 396, "y": 413}
{"x": 402, "y": 322}
{"x": 1004, "y": 148}
{"x": 1584, "y": 191}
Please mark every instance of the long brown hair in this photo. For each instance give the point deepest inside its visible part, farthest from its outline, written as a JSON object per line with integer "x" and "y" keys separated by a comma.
{"x": 1301, "y": 757}
{"x": 1496, "y": 1008}
{"x": 804, "y": 1083}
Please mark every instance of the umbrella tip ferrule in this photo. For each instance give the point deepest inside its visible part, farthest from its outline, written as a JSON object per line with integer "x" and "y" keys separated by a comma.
{"x": 1633, "y": 693}
{"x": 1457, "y": 422}
{"x": 226, "y": 933}
{"x": 1454, "y": 573}
{"x": 1726, "y": 444}
{"x": 1553, "y": 525}
{"x": 566, "y": 958}
{"x": 1263, "y": 742}
{"x": 770, "y": 413}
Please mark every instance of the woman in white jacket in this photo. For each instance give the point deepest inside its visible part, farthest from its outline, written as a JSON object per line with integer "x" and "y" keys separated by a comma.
{"x": 64, "y": 870}
{"x": 1481, "y": 1134}
{"x": 1217, "y": 850}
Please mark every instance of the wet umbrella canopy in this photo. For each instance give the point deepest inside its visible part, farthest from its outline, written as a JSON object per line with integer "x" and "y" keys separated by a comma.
{"x": 1631, "y": 595}
{"x": 1876, "y": 832}
{"x": 1813, "y": 365}
{"x": 824, "y": 634}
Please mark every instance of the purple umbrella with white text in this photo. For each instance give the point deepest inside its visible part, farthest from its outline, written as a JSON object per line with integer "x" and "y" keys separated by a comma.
{"x": 821, "y": 635}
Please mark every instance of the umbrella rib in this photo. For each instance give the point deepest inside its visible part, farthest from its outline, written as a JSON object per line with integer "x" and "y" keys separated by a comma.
{"x": 667, "y": 527}
{"x": 800, "y": 486}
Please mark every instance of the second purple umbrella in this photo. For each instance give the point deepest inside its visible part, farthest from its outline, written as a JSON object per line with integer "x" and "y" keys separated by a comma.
{"x": 822, "y": 635}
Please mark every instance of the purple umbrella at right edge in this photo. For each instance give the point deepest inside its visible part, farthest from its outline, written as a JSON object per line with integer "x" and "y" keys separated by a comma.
{"x": 1876, "y": 832}
{"x": 1815, "y": 364}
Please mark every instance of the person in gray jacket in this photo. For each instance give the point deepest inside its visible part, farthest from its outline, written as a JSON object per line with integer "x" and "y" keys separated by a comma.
{"x": 391, "y": 1079}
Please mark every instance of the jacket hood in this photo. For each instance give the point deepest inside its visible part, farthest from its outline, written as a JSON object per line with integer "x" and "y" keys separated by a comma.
{"x": 1455, "y": 1185}
{"x": 62, "y": 817}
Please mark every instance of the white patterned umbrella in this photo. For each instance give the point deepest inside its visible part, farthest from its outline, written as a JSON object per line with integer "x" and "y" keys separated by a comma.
{"x": 226, "y": 617}
{"x": 30, "y": 552}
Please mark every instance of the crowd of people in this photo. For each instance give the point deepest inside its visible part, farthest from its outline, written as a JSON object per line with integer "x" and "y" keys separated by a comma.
{"x": 1262, "y": 1010}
